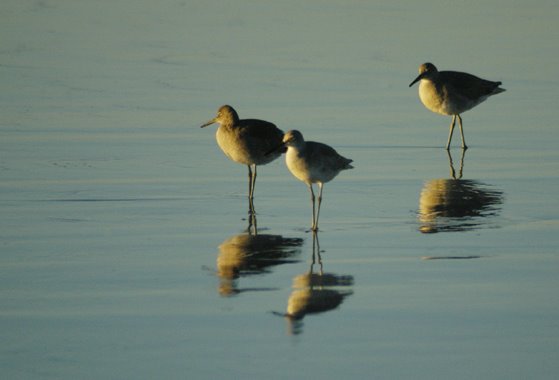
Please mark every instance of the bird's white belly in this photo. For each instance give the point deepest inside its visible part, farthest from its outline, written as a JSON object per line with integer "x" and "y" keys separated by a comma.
{"x": 298, "y": 166}
{"x": 445, "y": 101}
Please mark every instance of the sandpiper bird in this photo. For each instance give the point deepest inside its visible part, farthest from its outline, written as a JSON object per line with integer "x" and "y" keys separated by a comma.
{"x": 312, "y": 162}
{"x": 452, "y": 92}
{"x": 246, "y": 141}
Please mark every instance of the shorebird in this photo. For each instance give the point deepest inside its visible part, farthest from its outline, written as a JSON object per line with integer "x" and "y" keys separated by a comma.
{"x": 246, "y": 141}
{"x": 312, "y": 162}
{"x": 452, "y": 92}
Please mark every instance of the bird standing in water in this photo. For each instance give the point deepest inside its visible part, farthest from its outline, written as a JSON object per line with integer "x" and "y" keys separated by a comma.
{"x": 452, "y": 92}
{"x": 313, "y": 162}
{"x": 246, "y": 141}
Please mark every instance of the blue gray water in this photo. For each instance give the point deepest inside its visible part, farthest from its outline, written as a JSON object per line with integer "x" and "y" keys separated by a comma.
{"x": 123, "y": 236}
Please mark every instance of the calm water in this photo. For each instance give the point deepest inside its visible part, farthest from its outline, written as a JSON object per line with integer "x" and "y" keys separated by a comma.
{"x": 123, "y": 237}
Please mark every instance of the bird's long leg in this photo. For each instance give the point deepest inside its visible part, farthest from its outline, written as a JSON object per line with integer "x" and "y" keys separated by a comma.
{"x": 319, "y": 202}
{"x": 451, "y": 131}
{"x": 251, "y": 182}
{"x": 464, "y": 146}
{"x": 312, "y": 201}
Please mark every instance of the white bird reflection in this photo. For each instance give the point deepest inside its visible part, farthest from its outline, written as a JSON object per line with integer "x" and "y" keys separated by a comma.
{"x": 251, "y": 253}
{"x": 315, "y": 292}
{"x": 456, "y": 204}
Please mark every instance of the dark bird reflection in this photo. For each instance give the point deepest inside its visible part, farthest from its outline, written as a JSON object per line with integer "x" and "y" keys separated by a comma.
{"x": 457, "y": 204}
{"x": 315, "y": 291}
{"x": 251, "y": 253}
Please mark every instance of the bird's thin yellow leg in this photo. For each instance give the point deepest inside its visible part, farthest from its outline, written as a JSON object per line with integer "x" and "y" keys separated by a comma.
{"x": 313, "y": 222}
{"x": 462, "y": 133}
{"x": 319, "y": 202}
{"x": 451, "y": 131}
{"x": 251, "y": 183}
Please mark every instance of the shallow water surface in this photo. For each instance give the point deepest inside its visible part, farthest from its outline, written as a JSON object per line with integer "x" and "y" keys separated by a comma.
{"x": 127, "y": 249}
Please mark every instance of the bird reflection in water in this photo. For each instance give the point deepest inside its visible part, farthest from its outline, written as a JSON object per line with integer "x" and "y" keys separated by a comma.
{"x": 456, "y": 204}
{"x": 251, "y": 253}
{"x": 315, "y": 291}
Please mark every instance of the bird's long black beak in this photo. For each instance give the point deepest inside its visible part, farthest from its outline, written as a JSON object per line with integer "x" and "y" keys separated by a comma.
{"x": 209, "y": 122}
{"x": 419, "y": 77}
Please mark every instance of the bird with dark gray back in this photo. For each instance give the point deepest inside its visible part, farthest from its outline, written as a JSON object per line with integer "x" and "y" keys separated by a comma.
{"x": 246, "y": 141}
{"x": 312, "y": 162}
{"x": 452, "y": 93}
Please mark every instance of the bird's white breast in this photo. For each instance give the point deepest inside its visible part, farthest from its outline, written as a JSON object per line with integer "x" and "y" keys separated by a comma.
{"x": 297, "y": 165}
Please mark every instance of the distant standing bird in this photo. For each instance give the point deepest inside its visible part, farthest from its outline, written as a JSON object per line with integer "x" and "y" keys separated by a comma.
{"x": 452, "y": 92}
{"x": 313, "y": 162}
{"x": 246, "y": 141}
